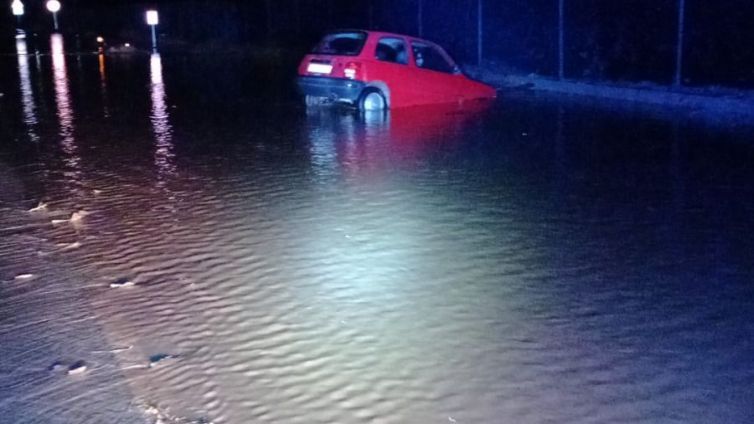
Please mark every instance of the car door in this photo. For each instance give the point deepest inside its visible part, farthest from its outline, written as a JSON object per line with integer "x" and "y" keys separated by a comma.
{"x": 435, "y": 75}
{"x": 390, "y": 64}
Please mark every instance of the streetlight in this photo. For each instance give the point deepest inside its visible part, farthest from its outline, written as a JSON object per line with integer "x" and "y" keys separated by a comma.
{"x": 152, "y": 20}
{"x": 18, "y": 10}
{"x": 54, "y": 7}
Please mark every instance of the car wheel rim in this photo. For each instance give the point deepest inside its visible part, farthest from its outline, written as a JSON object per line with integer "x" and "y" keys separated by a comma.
{"x": 374, "y": 101}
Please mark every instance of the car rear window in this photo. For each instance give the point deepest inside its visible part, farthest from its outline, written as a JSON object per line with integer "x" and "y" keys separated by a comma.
{"x": 342, "y": 43}
{"x": 391, "y": 49}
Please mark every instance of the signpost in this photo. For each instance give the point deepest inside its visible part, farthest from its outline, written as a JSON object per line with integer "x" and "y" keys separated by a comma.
{"x": 153, "y": 19}
{"x": 18, "y": 9}
{"x": 54, "y": 7}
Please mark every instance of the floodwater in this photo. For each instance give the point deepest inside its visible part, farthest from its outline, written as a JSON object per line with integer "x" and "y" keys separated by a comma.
{"x": 214, "y": 252}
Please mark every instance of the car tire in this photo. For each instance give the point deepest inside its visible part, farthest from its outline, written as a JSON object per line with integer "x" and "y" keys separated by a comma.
{"x": 312, "y": 101}
{"x": 372, "y": 99}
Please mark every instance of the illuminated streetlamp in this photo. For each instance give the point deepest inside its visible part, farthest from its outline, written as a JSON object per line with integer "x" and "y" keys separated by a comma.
{"x": 54, "y": 7}
{"x": 152, "y": 20}
{"x": 18, "y": 10}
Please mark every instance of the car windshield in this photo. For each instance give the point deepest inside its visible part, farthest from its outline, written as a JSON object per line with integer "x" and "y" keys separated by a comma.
{"x": 342, "y": 43}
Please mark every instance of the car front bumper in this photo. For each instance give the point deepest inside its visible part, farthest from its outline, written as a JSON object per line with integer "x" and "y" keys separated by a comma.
{"x": 337, "y": 89}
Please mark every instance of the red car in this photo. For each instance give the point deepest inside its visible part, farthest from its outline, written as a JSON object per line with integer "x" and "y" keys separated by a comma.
{"x": 379, "y": 70}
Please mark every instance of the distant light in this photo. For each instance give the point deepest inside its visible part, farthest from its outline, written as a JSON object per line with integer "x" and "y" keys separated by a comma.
{"x": 18, "y": 8}
{"x": 152, "y": 17}
{"x": 127, "y": 44}
{"x": 100, "y": 39}
{"x": 53, "y": 6}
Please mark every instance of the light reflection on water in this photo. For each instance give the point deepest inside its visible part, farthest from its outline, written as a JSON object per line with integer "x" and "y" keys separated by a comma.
{"x": 65, "y": 112}
{"x": 522, "y": 263}
{"x": 369, "y": 142}
{"x": 27, "y": 94}
{"x": 103, "y": 83}
{"x": 160, "y": 118}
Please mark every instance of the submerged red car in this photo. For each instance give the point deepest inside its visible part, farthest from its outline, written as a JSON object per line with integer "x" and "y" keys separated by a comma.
{"x": 379, "y": 70}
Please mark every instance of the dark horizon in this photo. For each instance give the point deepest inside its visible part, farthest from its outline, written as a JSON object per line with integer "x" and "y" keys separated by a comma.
{"x": 634, "y": 41}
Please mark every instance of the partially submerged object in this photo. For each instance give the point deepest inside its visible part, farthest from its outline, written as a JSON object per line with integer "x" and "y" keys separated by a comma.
{"x": 41, "y": 207}
{"x": 155, "y": 359}
{"x": 379, "y": 70}
{"x": 121, "y": 282}
{"x": 75, "y": 219}
{"x": 78, "y": 367}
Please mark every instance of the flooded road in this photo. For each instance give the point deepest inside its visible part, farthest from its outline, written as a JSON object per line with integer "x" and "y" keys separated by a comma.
{"x": 214, "y": 252}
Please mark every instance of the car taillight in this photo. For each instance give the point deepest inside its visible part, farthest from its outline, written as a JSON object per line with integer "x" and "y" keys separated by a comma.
{"x": 352, "y": 70}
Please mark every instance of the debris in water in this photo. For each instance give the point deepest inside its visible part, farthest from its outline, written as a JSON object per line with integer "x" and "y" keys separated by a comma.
{"x": 451, "y": 419}
{"x": 75, "y": 218}
{"x": 121, "y": 282}
{"x": 96, "y": 191}
{"x": 78, "y": 216}
{"x": 41, "y": 207}
{"x": 78, "y": 367}
{"x": 155, "y": 359}
{"x": 56, "y": 366}
{"x": 23, "y": 277}
{"x": 151, "y": 410}
{"x": 163, "y": 417}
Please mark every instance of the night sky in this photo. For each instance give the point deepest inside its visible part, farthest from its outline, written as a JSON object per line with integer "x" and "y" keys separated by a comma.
{"x": 617, "y": 40}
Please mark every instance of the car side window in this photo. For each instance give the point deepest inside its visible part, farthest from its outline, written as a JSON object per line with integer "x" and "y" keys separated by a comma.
{"x": 429, "y": 57}
{"x": 391, "y": 49}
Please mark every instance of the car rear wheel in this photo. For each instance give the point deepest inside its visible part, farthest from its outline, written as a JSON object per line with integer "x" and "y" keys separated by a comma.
{"x": 372, "y": 99}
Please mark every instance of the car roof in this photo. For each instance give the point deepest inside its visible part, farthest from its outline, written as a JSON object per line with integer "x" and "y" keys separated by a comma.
{"x": 373, "y": 33}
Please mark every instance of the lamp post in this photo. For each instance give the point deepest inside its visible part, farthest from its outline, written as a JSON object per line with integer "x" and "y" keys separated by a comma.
{"x": 54, "y": 7}
{"x": 677, "y": 81}
{"x": 561, "y": 39}
{"x": 152, "y": 20}
{"x": 18, "y": 10}
{"x": 100, "y": 44}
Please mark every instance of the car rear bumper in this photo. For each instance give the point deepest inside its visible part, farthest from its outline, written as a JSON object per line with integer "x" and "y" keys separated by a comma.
{"x": 333, "y": 88}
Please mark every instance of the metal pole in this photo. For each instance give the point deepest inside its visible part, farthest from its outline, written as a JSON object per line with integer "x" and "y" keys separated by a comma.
{"x": 419, "y": 17}
{"x": 480, "y": 31}
{"x": 679, "y": 48}
{"x": 55, "y": 19}
{"x": 154, "y": 38}
{"x": 561, "y": 39}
